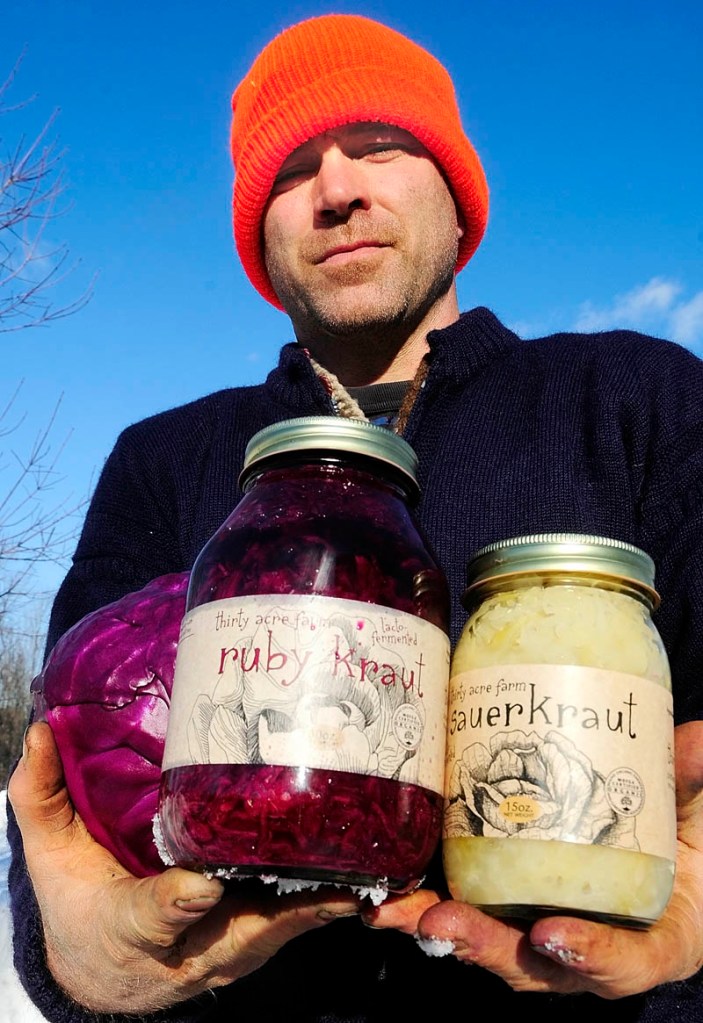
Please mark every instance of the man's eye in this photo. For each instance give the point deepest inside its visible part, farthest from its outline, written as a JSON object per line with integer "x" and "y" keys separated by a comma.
{"x": 291, "y": 176}
{"x": 387, "y": 147}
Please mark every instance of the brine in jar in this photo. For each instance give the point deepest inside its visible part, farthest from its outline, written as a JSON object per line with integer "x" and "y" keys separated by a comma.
{"x": 559, "y": 782}
{"x": 307, "y": 726}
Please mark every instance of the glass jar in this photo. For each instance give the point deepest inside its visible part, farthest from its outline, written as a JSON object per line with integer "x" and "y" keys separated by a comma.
{"x": 308, "y": 718}
{"x": 559, "y": 783}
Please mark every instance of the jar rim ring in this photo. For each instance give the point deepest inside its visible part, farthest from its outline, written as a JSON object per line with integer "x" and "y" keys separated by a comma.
{"x": 575, "y": 554}
{"x": 329, "y": 435}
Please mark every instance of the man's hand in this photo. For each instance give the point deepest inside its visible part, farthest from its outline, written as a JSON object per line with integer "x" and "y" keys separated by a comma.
{"x": 565, "y": 954}
{"x": 118, "y": 944}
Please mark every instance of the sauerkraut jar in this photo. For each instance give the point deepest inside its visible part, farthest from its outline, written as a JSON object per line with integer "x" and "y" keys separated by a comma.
{"x": 308, "y": 719}
{"x": 559, "y": 782}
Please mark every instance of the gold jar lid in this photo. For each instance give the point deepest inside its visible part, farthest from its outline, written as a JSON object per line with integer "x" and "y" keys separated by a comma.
{"x": 322, "y": 436}
{"x": 573, "y": 554}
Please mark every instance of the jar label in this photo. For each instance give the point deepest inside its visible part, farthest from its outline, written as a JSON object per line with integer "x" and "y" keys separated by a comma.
{"x": 310, "y": 681}
{"x": 561, "y": 752}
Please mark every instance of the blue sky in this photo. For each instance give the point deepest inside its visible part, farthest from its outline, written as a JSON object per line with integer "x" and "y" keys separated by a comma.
{"x": 587, "y": 117}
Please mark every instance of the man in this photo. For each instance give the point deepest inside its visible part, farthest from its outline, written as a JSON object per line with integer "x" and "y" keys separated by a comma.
{"x": 357, "y": 198}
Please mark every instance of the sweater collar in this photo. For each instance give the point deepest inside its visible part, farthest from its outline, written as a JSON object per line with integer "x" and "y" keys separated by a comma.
{"x": 456, "y": 353}
{"x": 462, "y": 349}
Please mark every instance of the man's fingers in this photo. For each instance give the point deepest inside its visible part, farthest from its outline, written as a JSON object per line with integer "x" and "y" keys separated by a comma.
{"x": 400, "y": 912}
{"x": 689, "y": 773}
{"x": 614, "y": 961}
{"x": 223, "y": 941}
{"x": 157, "y": 909}
{"x": 154, "y": 940}
{"x": 496, "y": 945}
{"x": 559, "y": 954}
{"x": 235, "y": 936}
{"x": 476, "y": 938}
{"x": 565, "y": 954}
{"x": 265, "y": 924}
{"x": 611, "y": 961}
{"x": 37, "y": 790}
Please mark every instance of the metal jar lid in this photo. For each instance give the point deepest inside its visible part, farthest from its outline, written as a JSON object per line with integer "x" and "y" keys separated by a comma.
{"x": 329, "y": 435}
{"x": 562, "y": 553}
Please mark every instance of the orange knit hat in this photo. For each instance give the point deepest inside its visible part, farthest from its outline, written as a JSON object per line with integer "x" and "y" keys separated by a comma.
{"x": 339, "y": 69}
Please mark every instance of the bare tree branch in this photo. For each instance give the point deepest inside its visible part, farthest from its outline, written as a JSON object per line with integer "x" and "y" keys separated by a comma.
{"x": 37, "y": 524}
{"x": 19, "y": 659}
{"x": 31, "y": 185}
{"x": 32, "y": 528}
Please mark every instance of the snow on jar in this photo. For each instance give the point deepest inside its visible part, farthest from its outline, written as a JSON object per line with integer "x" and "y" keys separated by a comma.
{"x": 308, "y": 717}
{"x": 559, "y": 782}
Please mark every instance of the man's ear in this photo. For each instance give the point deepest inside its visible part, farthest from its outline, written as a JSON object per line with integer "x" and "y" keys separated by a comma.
{"x": 460, "y": 224}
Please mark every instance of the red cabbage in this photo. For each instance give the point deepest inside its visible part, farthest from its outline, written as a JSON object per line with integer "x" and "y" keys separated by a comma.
{"x": 106, "y": 690}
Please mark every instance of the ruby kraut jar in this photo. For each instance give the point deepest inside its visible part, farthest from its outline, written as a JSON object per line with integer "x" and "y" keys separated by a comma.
{"x": 307, "y": 728}
{"x": 560, "y": 788}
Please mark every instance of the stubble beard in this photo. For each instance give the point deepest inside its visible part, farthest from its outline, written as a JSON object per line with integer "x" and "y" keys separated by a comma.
{"x": 391, "y": 308}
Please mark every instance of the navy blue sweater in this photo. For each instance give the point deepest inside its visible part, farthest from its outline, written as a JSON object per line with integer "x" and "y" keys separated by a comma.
{"x": 597, "y": 434}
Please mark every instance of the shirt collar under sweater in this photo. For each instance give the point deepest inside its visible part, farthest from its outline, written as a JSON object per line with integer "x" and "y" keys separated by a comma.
{"x": 457, "y": 352}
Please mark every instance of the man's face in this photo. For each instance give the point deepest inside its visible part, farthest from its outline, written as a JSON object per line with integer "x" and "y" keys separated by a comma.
{"x": 360, "y": 231}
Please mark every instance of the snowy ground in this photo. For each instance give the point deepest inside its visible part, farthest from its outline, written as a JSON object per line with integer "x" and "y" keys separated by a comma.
{"x": 16, "y": 1007}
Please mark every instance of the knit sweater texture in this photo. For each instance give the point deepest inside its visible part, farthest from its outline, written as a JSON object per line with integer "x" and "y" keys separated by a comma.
{"x": 599, "y": 434}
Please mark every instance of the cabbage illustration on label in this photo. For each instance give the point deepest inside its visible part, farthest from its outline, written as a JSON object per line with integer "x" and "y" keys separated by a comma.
{"x": 541, "y": 787}
{"x": 310, "y": 682}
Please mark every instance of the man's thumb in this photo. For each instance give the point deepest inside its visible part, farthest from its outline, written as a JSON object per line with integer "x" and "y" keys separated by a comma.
{"x": 164, "y": 905}
{"x": 688, "y": 761}
{"x": 37, "y": 790}
{"x": 689, "y": 764}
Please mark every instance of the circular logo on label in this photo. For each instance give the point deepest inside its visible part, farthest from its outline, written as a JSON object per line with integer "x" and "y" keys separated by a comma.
{"x": 520, "y": 809}
{"x": 624, "y": 791}
{"x": 407, "y": 726}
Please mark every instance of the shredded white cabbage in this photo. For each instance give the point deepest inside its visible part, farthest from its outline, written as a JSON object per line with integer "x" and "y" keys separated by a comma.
{"x": 560, "y": 624}
{"x": 564, "y": 624}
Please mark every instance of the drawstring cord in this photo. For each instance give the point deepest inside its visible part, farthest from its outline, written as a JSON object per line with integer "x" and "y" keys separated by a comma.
{"x": 347, "y": 407}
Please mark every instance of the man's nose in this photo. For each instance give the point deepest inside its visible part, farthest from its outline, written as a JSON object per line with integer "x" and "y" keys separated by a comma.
{"x": 341, "y": 186}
